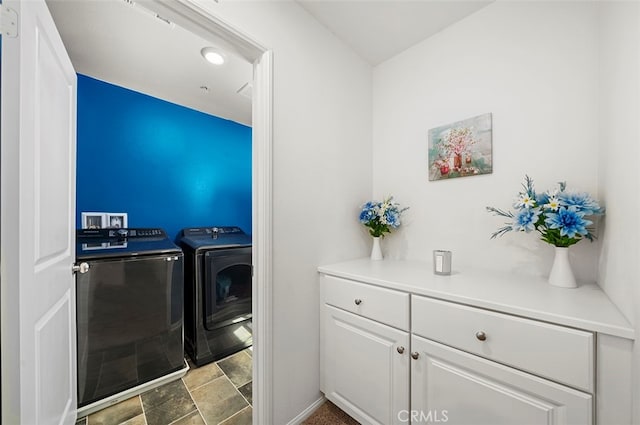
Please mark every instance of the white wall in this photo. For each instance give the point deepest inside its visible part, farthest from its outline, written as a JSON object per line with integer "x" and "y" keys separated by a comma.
{"x": 618, "y": 177}
{"x": 533, "y": 65}
{"x": 322, "y": 172}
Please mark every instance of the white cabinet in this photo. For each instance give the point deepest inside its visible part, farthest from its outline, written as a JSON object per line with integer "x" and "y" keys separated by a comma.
{"x": 554, "y": 352}
{"x": 365, "y": 349}
{"x": 366, "y": 366}
{"x": 393, "y": 354}
{"x": 485, "y": 367}
{"x": 380, "y": 304}
{"x": 464, "y": 389}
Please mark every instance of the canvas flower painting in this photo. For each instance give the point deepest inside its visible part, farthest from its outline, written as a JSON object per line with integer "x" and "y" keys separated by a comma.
{"x": 461, "y": 149}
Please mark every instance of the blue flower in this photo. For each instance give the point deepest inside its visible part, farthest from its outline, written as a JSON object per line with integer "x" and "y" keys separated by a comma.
{"x": 569, "y": 220}
{"x": 542, "y": 198}
{"x": 381, "y": 216}
{"x": 392, "y": 218}
{"x": 526, "y": 219}
{"x": 368, "y": 212}
{"x": 558, "y": 215}
{"x": 582, "y": 201}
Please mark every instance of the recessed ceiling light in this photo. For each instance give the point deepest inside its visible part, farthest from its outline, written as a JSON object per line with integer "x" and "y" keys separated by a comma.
{"x": 213, "y": 56}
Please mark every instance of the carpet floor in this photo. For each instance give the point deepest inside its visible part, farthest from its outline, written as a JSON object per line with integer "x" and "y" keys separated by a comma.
{"x": 329, "y": 414}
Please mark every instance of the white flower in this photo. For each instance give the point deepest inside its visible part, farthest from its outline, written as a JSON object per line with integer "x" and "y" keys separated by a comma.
{"x": 553, "y": 204}
{"x": 525, "y": 201}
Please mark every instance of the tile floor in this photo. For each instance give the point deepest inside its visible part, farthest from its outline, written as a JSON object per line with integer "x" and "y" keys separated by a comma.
{"x": 217, "y": 393}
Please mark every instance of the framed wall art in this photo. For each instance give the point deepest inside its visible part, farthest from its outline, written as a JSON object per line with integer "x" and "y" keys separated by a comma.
{"x": 104, "y": 220}
{"x": 94, "y": 220}
{"x": 116, "y": 220}
{"x": 461, "y": 149}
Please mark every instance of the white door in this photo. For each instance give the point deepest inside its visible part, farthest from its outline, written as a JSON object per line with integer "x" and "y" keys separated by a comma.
{"x": 37, "y": 187}
{"x": 366, "y": 367}
{"x": 449, "y": 385}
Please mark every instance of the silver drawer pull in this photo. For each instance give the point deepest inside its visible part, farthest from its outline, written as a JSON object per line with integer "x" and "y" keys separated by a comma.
{"x": 415, "y": 355}
{"x": 400, "y": 350}
{"x": 358, "y": 301}
{"x": 481, "y": 336}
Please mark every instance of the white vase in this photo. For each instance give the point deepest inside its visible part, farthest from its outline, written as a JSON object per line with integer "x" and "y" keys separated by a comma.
{"x": 561, "y": 274}
{"x": 376, "y": 252}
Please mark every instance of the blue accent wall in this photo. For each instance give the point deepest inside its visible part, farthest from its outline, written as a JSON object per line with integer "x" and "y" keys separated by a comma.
{"x": 165, "y": 165}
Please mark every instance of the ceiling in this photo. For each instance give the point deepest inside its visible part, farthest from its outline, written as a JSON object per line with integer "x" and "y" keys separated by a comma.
{"x": 379, "y": 29}
{"x": 123, "y": 43}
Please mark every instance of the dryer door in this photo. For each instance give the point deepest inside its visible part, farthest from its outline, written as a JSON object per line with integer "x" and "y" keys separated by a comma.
{"x": 227, "y": 287}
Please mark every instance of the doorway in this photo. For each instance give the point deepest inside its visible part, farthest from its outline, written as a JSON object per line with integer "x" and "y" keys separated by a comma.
{"x": 207, "y": 25}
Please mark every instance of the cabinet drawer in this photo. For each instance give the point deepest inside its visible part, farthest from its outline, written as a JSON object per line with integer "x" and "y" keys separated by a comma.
{"x": 380, "y": 304}
{"x": 555, "y": 352}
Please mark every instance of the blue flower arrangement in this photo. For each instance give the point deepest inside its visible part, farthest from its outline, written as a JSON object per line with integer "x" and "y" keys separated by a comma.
{"x": 558, "y": 216}
{"x": 381, "y": 217}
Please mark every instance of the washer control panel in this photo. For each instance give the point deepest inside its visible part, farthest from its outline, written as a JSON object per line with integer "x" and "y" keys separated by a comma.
{"x": 137, "y": 233}
{"x": 212, "y": 231}
{"x": 146, "y": 233}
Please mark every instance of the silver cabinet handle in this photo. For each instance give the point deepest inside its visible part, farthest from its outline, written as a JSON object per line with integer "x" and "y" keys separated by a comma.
{"x": 415, "y": 355}
{"x": 400, "y": 349}
{"x": 481, "y": 336}
{"x": 358, "y": 301}
{"x": 81, "y": 268}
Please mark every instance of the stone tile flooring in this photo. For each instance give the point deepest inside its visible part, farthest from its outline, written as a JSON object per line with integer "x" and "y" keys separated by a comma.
{"x": 217, "y": 393}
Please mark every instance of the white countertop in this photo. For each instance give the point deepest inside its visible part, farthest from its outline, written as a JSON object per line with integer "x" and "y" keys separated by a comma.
{"x": 586, "y": 307}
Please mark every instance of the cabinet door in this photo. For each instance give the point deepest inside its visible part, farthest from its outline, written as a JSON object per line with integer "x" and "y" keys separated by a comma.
{"x": 461, "y": 388}
{"x": 365, "y": 367}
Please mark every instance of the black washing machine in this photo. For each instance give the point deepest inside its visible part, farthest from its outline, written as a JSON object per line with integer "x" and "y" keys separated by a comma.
{"x": 129, "y": 295}
{"x": 217, "y": 292}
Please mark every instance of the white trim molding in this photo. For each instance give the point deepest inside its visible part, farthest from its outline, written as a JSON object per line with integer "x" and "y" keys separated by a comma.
{"x": 262, "y": 241}
{"x": 192, "y": 16}
{"x": 307, "y": 412}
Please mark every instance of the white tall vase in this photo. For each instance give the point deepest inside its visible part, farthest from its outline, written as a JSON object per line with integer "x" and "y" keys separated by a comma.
{"x": 376, "y": 251}
{"x": 561, "y": 274}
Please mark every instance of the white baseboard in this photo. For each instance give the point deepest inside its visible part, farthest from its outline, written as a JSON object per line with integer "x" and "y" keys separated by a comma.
{"x": 307, "y": 412}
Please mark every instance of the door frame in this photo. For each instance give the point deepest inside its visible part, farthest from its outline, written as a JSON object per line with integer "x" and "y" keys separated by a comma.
{"x": 193, "y": 17}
